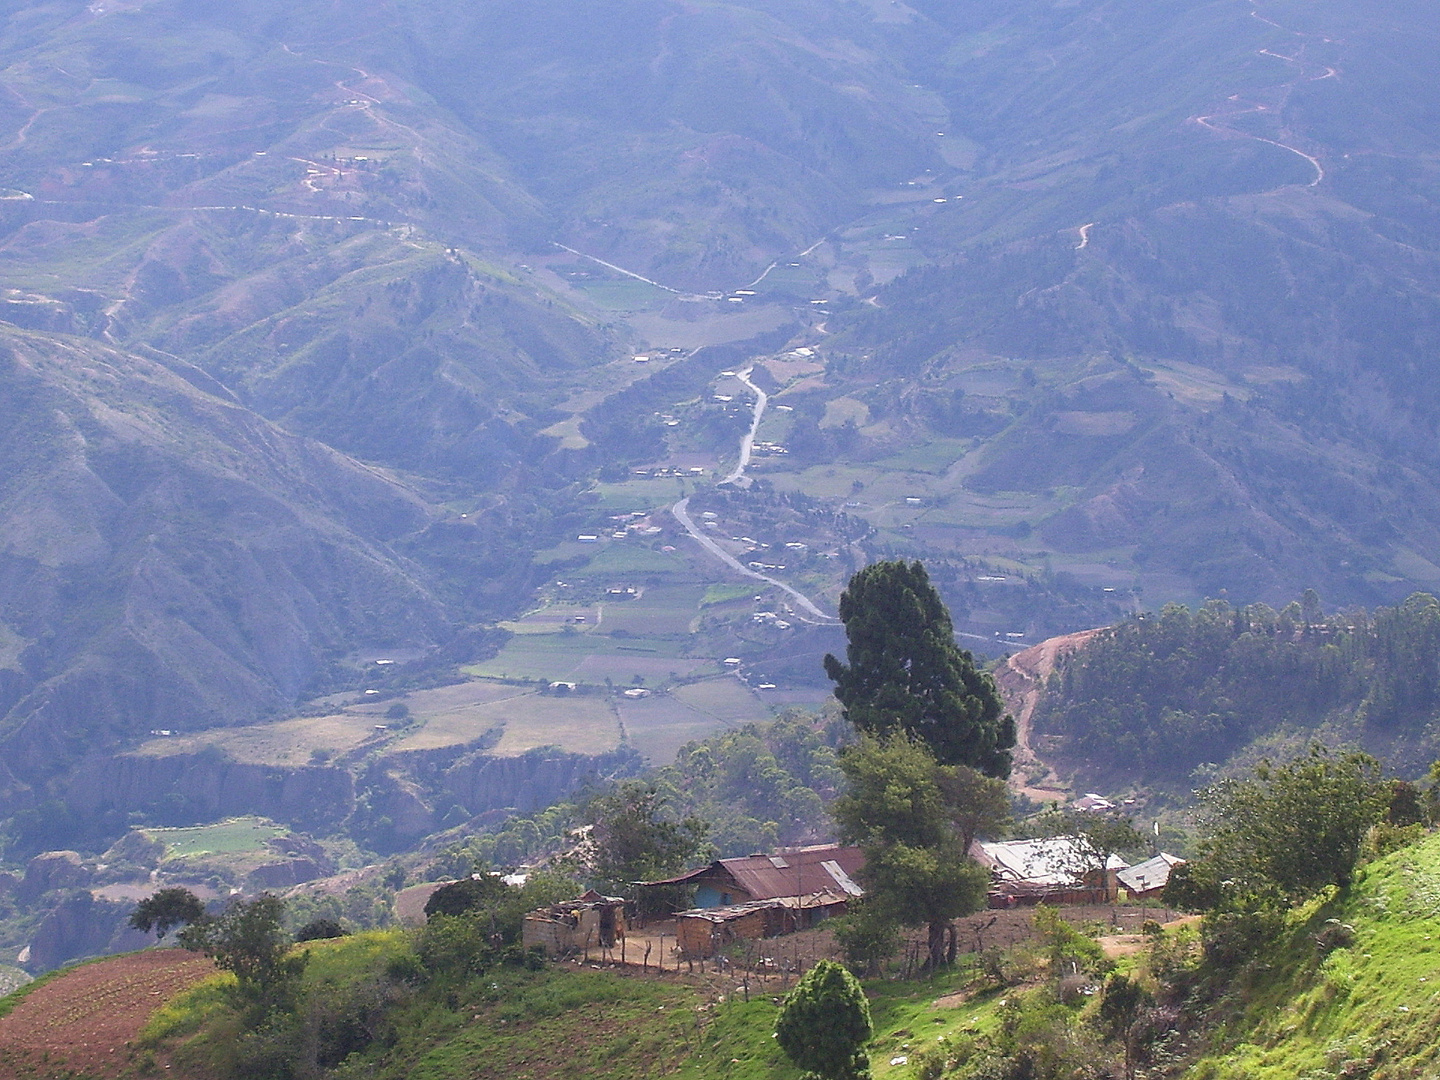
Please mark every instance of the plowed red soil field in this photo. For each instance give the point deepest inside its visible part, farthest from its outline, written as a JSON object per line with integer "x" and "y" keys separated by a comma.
{"x": 81, "y": 1022}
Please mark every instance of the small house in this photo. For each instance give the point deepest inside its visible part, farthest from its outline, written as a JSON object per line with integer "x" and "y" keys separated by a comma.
{"x": 801, "y": 872}
{"x": 1050, "y": 870}
{"x": 592, "y": 921}
{"x": 703, "y": 932}
{"x": 1147, "y": 880}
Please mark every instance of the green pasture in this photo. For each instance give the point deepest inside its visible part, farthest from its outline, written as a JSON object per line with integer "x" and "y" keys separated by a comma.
{"x": 633, "y": 557}
{"x": 659, "y": 610}
{"x": 934, "y": 456}
{"x": 642, "y": 493}
{"x": 625, "y": 294}
{"x": 234, "y": 836}
{"x": 726, "y": 698}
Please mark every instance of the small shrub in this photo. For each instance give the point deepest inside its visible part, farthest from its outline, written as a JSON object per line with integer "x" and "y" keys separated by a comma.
{"x": 320, "y": 930}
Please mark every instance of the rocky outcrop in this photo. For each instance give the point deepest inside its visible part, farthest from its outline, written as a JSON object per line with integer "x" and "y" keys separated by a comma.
{"x": 52, "y": 870}
{"x": 530, "y": 781}
{"x": 80, "y": 925}
{"x": 283, "y": 875}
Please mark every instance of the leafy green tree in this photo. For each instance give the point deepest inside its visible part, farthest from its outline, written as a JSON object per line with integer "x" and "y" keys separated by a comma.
{"x": 248, "y": 940}
{"x": 978, "y": 805}
{"x": 916, "y": 869}
{"x": 905, "y": 672}
{"x": 1121, "y": 1016}
{"x": 1286, "y": 833}
{"x": 165, "y": 909}
{"x": 637, "y": 838}
{"x": 824, "y": 1024}
{"x": 467, "y": 894}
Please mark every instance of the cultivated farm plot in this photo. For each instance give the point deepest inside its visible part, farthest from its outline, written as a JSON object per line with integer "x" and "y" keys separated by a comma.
{"x": 589, "y": 658}
{"x": 664, "y": 609}
{"x": 727, "y": 699}
{"x": 630, "y": 495}
{"x": 934, "y": 456}
{"x": 580, "y": 723}
{"x": 77, "y": 1023}
{"x": 826, "y": 481}
{"x": 456, "y": 715}
{"x": 287, "y": 742}
{"x": 659, "y": 725}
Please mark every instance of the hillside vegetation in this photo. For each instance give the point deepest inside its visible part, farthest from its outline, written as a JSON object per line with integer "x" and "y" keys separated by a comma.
{"x": 1158, "y": 697}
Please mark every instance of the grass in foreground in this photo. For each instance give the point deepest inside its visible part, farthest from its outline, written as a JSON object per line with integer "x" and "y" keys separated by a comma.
{"x": 1370, "y": 1008}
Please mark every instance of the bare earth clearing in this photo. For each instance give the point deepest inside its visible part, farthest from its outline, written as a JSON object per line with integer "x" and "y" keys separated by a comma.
{"x": 81, "y": 1021}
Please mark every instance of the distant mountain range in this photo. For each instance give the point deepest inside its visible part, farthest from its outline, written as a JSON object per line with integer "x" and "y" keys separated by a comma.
{"x": 1149, "y": 294}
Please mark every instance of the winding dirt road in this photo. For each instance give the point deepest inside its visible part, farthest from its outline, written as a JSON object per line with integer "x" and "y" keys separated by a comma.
{"x": 1021, "y": 681}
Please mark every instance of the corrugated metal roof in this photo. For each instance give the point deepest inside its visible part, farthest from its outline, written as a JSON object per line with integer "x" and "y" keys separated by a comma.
{"x": 1150, "y": 874}
{"x": 825, "y": 899}
{"x": 801, "y": 872}
{"x": 805, "y": 872}
{"x": 1049, "y": 860}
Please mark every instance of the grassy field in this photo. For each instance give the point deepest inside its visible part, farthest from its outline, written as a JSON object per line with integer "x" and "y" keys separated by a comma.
{"x": 659, "y": 610}
{"x": 725, "y": 698}
{"x": 583, "y": 724}
{"x": 234, "y": 836}
{"x": 641, "y": 494}
{"x": 564, "y": 1021}
{"x": 930, "y": 457}
{"x": 659, "y": 725}
{"x": 456, "y": 715}
{"x": 1374, "y": 1004}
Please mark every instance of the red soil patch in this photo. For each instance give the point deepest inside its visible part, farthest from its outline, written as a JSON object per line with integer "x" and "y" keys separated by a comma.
{"x": 81, "y": 1021}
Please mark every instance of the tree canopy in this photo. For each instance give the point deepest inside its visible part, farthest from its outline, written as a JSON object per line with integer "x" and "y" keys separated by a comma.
{"x": 905, "y": 672}
{"x": 163, "y": 910}
{"x": 824, "y": 1024}
{"x": 248, "y": 940}
{"x": 637, "y": 838}
{"x": 898, "y": 809}
{"x": 1285, "y": 833}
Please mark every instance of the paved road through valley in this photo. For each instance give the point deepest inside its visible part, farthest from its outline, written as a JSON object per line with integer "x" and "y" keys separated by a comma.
{"x": 681, "y": 510}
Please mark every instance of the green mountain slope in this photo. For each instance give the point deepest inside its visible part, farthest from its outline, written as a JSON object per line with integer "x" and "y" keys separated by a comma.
{"x": 171, "y": 560}
{"x": 1367, "y": 1008}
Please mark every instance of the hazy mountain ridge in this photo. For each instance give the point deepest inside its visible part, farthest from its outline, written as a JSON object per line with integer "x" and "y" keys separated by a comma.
{"x": 1126, "y": 305}
{"x": 173, "y": 561}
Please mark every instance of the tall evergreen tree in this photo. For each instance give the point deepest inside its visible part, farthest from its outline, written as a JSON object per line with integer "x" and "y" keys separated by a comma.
{"x": 905, "y": 672}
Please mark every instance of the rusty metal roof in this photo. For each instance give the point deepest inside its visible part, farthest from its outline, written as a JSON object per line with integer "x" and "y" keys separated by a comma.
{"x": 799, "y": 872}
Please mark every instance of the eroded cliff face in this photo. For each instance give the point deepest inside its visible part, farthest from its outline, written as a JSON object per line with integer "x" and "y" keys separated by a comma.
{"x": 206, "y": 786}
{"x": 388, "y": 802}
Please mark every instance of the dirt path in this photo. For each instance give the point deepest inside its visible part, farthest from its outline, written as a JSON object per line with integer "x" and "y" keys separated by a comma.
{"x": 82, "y": 1021}
{"x": 1021, "y": 681}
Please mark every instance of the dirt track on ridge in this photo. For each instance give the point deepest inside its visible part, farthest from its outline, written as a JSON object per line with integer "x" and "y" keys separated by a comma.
{"x": 81, "y": 1021}
{"x": 1021, "y": 681}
